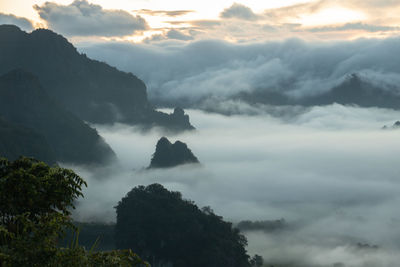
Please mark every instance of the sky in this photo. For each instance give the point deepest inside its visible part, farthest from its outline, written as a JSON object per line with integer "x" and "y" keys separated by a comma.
{"x": 240, "y": 21}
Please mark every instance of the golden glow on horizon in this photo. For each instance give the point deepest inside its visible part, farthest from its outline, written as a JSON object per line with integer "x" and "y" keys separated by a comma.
{"x": 24, "y": 8}
{"x": 306, "y": 14}
{"x": 331, "y": 16}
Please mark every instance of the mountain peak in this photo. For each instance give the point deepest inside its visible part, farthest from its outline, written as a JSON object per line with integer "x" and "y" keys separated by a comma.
{"x": 10, "y": 28}
{"x": 92, "y": 90}
{"x": 12, "y": 31}
{"x": 171, "y": 155}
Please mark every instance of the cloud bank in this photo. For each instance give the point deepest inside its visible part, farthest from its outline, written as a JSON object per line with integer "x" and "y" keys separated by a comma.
{"x": 331, "y": 172}
{"x": 168, "y": 13}
{"x": 23, "y": 23}
{"x": 81, "y": 18}
{"x": 191, "y": 74}
{"x": 323, "y": 19}
{"x": 238, "y": 11}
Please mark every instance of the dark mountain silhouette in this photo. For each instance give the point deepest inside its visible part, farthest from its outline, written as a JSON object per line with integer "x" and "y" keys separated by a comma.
{"x": 395, "y": 126}
{"x": 356, "y": 91}
{"x": 16, "y": 141}
{"x": 169, "y": 231}
{"x": 353, "y": 91}
{"x": 92, "y": 90}
{"x": 25, "y": 103}
{"x": 171, "y": 155}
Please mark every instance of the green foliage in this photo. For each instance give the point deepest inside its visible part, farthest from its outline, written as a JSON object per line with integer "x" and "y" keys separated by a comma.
{"x": 35, "y": 203}
{"x": 166, "y": 229}
{"x": 28, "y": 186}
{"x": 89, "y": 233}
{"x": 79, "y": 256}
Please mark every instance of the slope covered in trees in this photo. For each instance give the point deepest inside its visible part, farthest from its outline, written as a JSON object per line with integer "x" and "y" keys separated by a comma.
{"x": 23, "y": 102}
{"x": 16, "y": 140}
{"x": 92, "y": 90}
{"x": 165, "y": 229}
{"x": 171, "y": 155}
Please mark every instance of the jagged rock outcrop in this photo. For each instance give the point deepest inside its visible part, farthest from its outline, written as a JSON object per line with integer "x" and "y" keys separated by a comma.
{"x": 92, "y": 90}
{"x": 171, "y": 155}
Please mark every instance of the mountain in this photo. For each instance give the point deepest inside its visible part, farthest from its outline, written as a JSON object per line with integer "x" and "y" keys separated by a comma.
{"x": 352, "y": 91}
{"x": 357, "y": 91}
{"x": 92, "y": 90}
{"x": 171, "y": 155}
{"x": 24, "y": 102}
{"x": 16, "y": 141}
{"x": 395, "y": 126}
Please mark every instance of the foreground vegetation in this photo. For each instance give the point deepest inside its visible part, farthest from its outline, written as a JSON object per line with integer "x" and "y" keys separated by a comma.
{"x": 35, "y": 200}
{"x": 165, "y": 229}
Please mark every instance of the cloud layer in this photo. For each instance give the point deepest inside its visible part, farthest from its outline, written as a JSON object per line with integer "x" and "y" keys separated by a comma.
{"x": 81, "y": 18}
{"x": 190, "y": 74}
{"x": 238, "y": 11}
{"x": 329, "y": 171}
{"x": 23, "y": 23}
{"x": 323, "y": 19}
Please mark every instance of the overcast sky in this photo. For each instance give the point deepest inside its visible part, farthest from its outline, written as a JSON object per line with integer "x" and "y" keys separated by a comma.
{"x": 237, "y": 21}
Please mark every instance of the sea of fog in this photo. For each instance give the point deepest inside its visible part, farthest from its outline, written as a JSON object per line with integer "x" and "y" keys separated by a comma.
{"x": 331, "y": 172}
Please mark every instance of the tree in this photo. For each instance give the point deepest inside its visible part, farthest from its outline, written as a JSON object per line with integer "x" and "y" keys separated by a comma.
{"x": 257, "y": 261}
{"x": 166, "y": 229}
{"x": 35, "y": 203}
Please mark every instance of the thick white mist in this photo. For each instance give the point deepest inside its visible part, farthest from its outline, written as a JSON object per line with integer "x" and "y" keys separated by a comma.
{"x": 331, "y": 172}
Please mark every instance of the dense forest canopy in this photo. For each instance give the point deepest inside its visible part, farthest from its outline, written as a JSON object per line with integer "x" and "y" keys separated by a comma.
{"x": 166, "y": 229}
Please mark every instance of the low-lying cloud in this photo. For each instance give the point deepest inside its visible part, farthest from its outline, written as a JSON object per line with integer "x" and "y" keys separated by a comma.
{"x": 81, "y": 18}
{"x": 355, "y": 26}
{"x": 330, "y": 172}
{"x": 188, "y": 74}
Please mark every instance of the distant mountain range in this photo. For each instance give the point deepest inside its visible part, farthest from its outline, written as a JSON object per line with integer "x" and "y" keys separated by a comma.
{"x": 94, "y": 91}
{"x": 395, "y": 126}
{"x": 33, "y": 124}
{"x": 352, "y": 91}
